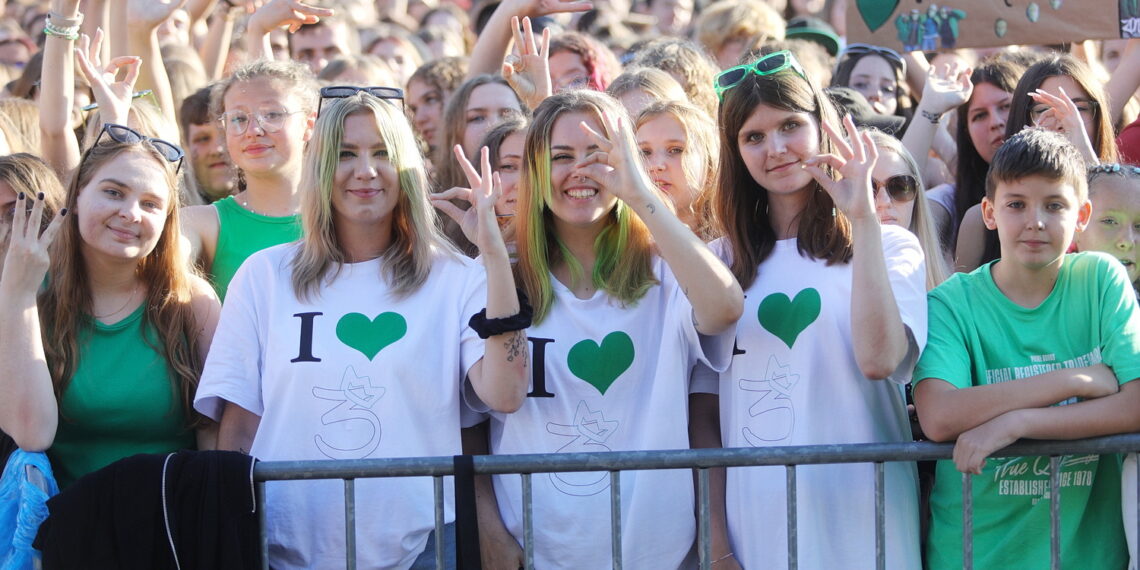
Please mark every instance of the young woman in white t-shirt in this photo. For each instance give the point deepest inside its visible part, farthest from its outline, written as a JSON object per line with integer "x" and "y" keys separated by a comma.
{"x": 624, "y": 294}
{"x": 835, "y": 305}
{"x": 354, "y": 343}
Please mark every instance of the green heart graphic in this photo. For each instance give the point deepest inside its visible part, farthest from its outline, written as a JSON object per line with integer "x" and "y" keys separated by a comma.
{"x": 601, "y": 365}
{"x": 787, "y": 318}
{"x": 370, "y": 336}
{"x": 875, "y": 13}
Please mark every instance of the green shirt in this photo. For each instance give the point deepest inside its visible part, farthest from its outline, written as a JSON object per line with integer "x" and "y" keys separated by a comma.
{"x": 121, "y": 401}
{"x": 978, "y": 336}
{"x": 241, "y": 233}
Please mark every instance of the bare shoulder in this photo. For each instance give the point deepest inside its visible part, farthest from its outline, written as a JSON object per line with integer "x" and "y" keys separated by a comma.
{"x": 203, "y": 299}
{"x": 200, "y": 226}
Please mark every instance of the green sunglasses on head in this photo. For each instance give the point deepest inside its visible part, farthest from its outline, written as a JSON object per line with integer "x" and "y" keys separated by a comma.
{"x": 767, "y": 65}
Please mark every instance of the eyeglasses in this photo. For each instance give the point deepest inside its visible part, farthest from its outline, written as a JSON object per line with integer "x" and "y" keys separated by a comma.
{"x": 269, "y": 119}
{"x": 126, "y": 135}
{"x": 888, "y": 54}
{"x": 901, "y": 188}
{"x": 1085, "y": 107}
{"x": 767, "y": 65}
{"x": 345, "y": 91}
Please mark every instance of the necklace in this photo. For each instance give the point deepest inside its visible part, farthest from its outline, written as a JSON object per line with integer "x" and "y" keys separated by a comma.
{"x": 245, "y": 204}
{"x": 124, "y": 305}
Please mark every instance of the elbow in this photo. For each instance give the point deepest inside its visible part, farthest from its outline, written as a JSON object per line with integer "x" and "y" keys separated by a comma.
{"x": 508, "y": 404}
{"x": 34, "y": 437}
{"x": 935, "y": 428}
{"x": 724, "y": 316}
{"x": 879, "y": 368}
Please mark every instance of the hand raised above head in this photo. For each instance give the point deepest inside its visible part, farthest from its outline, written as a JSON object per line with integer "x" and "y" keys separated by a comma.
{"x": 286, "y": 13}
{"x": 528, "y": 71}
{"x": 947, "y": 86}
{"x": 112, "y": 94}
{"x": 150, "y": 14}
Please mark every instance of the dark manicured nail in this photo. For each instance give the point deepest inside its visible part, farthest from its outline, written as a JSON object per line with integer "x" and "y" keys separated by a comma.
{"x": 40, "y": 196}
{"x": 20, "y": 196}
{"x": 63, "y": 212}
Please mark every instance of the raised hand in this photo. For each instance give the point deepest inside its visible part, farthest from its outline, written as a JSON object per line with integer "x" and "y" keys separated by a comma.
{"x": 947, "y": 86}
{"x": 285, "y": 13}
{"x": 536, "y": 8}
{"x": 26, "y": 262}
{"x": 113, "y": 95}
{"x": 150, "y": 14}
{"x": 1063, "y": 116}
{"x": 617, "y": 164}
{"x": 478, "y": 222}
{"x": 852, "y": 193}
{"x": 528, "y": 71}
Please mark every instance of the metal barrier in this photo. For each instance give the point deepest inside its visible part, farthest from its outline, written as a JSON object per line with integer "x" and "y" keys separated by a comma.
{"x": 700, "y": 459}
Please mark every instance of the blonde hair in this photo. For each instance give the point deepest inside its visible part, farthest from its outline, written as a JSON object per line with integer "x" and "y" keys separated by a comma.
{"x": 294, "y": 77}
{"x": 660, "y": 86}
{"x": 415, "y": 236}
{"x": 730, "y": 20}
{"x": 20, "y": 122}
{"x": 686, "y": 62}
{"x": 922, "y": 223}
{"x": 701, "y": 157}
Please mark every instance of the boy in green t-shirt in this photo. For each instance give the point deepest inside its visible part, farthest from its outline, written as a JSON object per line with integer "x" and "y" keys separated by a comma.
{"x": 1037, "y": 344}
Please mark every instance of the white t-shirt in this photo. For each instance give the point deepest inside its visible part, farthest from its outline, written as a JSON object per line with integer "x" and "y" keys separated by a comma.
{"x": 620, "y": 381}
{"x": 794, "y": 380}
{"x": 354, "y": 373}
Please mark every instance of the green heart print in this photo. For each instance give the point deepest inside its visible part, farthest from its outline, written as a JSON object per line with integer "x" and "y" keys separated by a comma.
{"x": 601, "y": 365}
{"x": 370, "y": 336}
{"x": 787, "y": 318}
{"x": 875, "y": 13}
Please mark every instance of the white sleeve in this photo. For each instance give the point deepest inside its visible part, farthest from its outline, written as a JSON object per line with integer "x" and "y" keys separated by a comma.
{"x": 906, "y": 270}
{"x": 713, "y": 351}
{"x": 234, "y": 365}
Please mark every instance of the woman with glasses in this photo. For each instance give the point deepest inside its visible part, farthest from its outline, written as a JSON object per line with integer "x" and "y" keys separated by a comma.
{"x": 322, "y": 343}
{"x": 266, "y": 110}
{"x": 835, "y": 316}
{"x": 104, "y": 343}
{"x": 878, "y": 73}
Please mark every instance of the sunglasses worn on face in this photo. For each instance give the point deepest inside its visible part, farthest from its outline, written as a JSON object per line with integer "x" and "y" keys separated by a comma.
{"x": 888, "y": 54}
{"x": 768, "y": 65}
{"x": 126, "y": 135}
{"x": 901, "y": 188}
{"x": 345, "y": 91}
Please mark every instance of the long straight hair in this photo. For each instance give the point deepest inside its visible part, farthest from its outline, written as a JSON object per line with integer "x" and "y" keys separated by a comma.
{"x": 624, "y": 247}
{"x": 66, "y": 304}
{"x": 822, "y": 231}
{"x": 408, "y": 260}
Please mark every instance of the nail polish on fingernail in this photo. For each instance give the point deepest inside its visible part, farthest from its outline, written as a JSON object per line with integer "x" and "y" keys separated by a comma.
{"x": 40, "y": 196}
{"x": 63, "y": 212}
{"x": 20, "y": 196}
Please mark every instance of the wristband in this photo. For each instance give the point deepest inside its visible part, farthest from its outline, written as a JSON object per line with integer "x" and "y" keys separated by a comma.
{"x": 934, "y": 118}
{"x": 59, "y": 21}
{"x": 487, "y": 328}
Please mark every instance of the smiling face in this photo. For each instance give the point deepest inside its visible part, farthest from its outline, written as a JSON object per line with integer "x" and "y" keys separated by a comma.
{"x": 121, "y": 212}
{"x": 774, "y": 143}
{"x": 425, "y": 105}
{"x": 875, "y": 78}
{"x": 1036, "y": 219}
{"x": 366, "y": 187}
{"x": 258, "y": 151}
{"x": 567, "y": 71}
{"x": 209, "y": 160}
{"x": 664, "y": 146}
{"x": 1115, "y": 224}
{"x": 575, "y": 200}
{"x": 488, "y": 104}
{"x": 986, "y": 117}
{"x": 510, "y": 163}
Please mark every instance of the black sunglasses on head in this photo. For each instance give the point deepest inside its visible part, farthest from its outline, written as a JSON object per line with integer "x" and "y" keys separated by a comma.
{"x": 901, "y": 188}
{"x": 126, "y": 135}
{"x": 893, "y": 57}
{"x": 345, "y": 91}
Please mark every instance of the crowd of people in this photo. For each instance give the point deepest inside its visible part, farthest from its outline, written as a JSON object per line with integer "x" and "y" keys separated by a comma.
{"x": 349, "y": 229}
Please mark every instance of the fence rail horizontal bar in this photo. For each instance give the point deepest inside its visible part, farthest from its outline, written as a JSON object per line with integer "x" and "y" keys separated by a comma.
{"x": 671, "y": 459}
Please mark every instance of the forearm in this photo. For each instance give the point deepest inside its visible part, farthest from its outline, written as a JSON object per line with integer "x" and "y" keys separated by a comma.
{"x": 716, "y": 296}
{"x": 28, "y": 408}
{"x": 1124, "y": 81}
{"x": 257, "y": 43}
{"x": 503, "y": 373}
{"x": 704, "y": 433}
{"x": 1109, "y": 415}
{"x": 94, "y": 18}
{"x": 237, "y": 429}
{"x": 56, "y": 97}
{"x": 152, "y": 73}
{"x": 216, "y": 47}
{"x": 877, "y": 331}
{"x": 491, "y": 47}
{"x": 919, "y": 136}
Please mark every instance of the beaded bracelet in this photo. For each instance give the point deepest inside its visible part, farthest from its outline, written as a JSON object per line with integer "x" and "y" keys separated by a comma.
{"x": 487, "y": 328}
{"x": 70, "y": 33}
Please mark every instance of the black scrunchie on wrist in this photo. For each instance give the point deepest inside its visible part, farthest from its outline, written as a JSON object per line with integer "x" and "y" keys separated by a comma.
{"x": 487, "y": 328}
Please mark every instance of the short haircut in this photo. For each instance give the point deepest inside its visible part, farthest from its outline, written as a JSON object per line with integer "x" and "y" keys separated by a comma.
{"x": 1037, "y": 152}
{"x": 445, "y": 73}
{"x": 195, "y": 110}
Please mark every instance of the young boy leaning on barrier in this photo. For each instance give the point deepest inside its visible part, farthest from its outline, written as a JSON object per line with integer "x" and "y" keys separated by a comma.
{"x": 1039, "y": 344}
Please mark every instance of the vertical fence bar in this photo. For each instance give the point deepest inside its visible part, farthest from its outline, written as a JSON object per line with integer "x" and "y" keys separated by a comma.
{"x": 793, "y": 522}
{"x": 263, "y": 532}
{"x": 350, "y": 524}
{"x": 440, "y": 539}
{"x": 704, "y": 542}
{"x": 967, "y": 522}
{"x": 615, "y": 517}
{"x": 880, "y": 518}
{"x": 1055, "y": 512}
{"x": 528, "y": 522}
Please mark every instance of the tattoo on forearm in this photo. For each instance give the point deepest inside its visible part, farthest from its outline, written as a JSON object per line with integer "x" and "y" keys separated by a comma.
{"x": 652, "y": 209}
{"x": 516, "y": 347}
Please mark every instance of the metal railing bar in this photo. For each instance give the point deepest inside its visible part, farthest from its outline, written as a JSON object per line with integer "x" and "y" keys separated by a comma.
{"x": 350, "y": 523}
{"x": 704, "y": 532}
{"x": 440, "y": 539}
{"x": 528, "y": 522}
{"x": 1055, "y": 512}
{"x": 793, "y": 518}
{"x": 880, "y": 518}
{"x": 615, "y": 518}
{"x": 967, "y": 521}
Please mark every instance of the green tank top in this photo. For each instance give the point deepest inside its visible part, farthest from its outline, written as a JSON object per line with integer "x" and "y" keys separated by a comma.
{"x": 242, "y": 233}
{"x": 120, "y": 402}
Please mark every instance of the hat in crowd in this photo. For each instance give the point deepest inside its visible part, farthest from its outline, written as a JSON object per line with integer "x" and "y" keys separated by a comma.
{"x": 851, "y": 102}
{"x": 813, "y": 29}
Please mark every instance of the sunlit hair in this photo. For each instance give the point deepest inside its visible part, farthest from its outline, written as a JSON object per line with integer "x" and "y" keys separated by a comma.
{"x": 624, "y": 247}
{"x": 700, "y": 158}
{"x": 822, "y": 231}
{"x": 738, "y": 20}
{"x": 444, "y": 74}
{"x": 660, "y": 86}
{"x": 601, "y": 64}
{"x": 1102, "y": 136}
{"x": 374, "y": 71}
{"x": 922, "y": 223}
{"x": 66, "y": 303}
{"x": 448, "y": 172}
{"x": 415, "y": 238}
{"x": 27, "y": 173}
{"x": 20, "y": 124}
{"x": 687, "y": 63}
{"x": 1038, "y": 152}
{"x": 292, "y": 77}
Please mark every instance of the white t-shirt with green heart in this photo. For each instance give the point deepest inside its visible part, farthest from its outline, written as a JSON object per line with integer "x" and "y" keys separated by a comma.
{"x": 794, "y": 380}
{"x": 619, "y": 379}
{"x": 354, "y": 373}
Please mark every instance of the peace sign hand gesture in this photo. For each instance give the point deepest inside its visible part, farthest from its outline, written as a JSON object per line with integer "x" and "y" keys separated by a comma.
{"x": 478, "y": 222}
{"x": 853, "y": 193}
{"x": 26, "y": 263}
{"x": 616, "y": 165}
{"x": 528, "y": 72}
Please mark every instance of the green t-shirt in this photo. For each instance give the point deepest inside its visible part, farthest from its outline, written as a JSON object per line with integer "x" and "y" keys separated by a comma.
{"x": 978, "y": 336}
{"x": 242, "y": 233}
{"x": 121, "y": 401}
